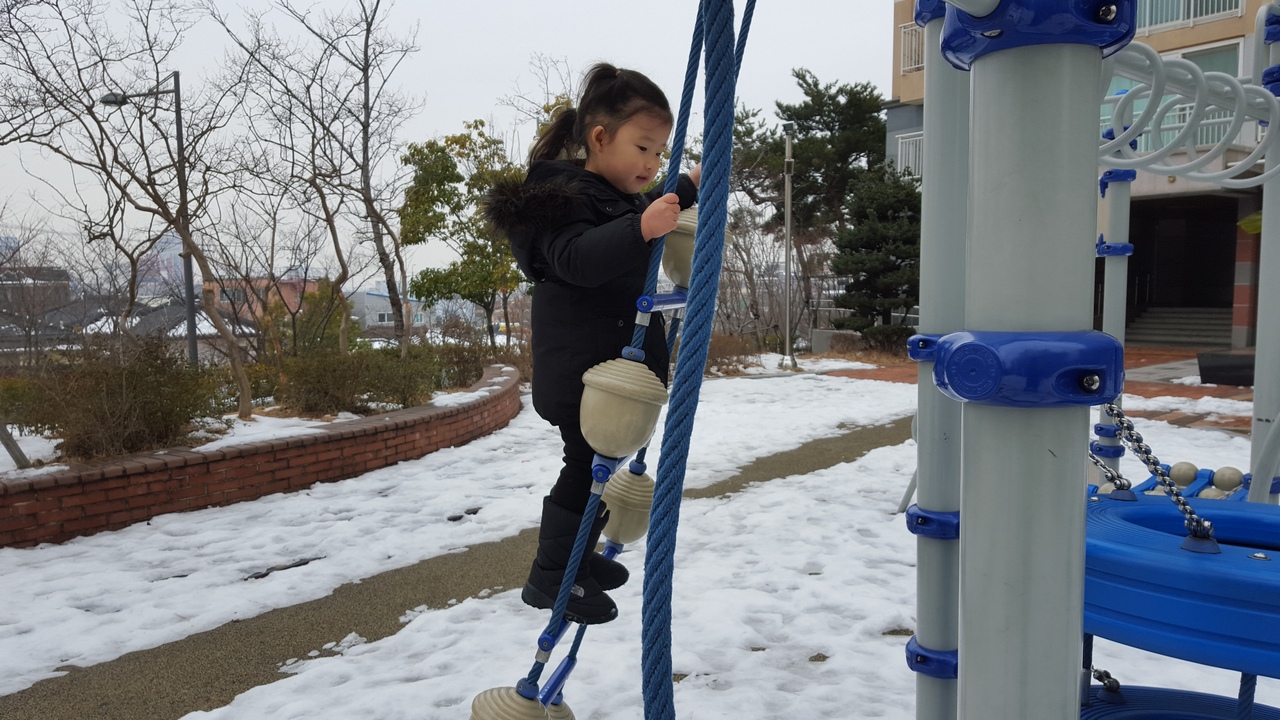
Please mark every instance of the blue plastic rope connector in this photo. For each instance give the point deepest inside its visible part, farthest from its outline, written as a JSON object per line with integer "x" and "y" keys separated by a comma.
{"x": 1272, "y": 33}
{"x": 1108, "y": 25}
{"x": 929, "y": 10}
{"x": 1106, "y": 430}
{"x": 637, "y": 467}
{"x": 527, "y": 690}
{"x": 1114, "y": 175}
{"x": 1106, "y": 451}
{"x": 633, "y": 353}
{"x": 923, "y": 348}
{"x": 661, "y": 301}
{"x": 935, "y": 525}
{"x": 1041, "y": 370}
{"x": 1110, "y": 134}
{"x": 944, "y": 665}
{"x": 1106, "y": 249}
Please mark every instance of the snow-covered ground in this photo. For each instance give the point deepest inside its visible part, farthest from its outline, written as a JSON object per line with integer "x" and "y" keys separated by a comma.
{"x": 783, "y": 592}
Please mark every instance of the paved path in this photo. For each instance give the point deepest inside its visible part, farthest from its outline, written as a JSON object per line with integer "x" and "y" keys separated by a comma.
{"x": 208, "y": 670}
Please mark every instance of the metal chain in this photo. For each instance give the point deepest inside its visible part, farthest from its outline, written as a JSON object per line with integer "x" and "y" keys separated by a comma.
{"x": 1196, "y": 525}
{"x": 1110, "y": 474}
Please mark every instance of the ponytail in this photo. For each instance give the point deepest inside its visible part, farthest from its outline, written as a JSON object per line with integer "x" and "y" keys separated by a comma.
{"x": 559, "y": 139}
{"x": 610, "y": 97}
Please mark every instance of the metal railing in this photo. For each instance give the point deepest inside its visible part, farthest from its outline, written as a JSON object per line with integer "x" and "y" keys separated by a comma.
{"x": 911, "y": 153}
{"x": 1212, "y": 129}
{"x": 911, "y": 37}
{"x": 1154, "y": 13}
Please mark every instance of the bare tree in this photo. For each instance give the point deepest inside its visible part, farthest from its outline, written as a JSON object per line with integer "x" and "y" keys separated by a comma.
{"x": 339, "y": 88}
{"x": 59, "y": 57}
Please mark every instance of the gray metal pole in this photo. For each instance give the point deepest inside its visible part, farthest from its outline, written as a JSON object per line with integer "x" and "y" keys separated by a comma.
{"x": 184, "y": 222}
{"x": 1033, "y": 198}
{"x": 1115, "y": 285}
{"x": 943, "y": 213}
{"x": 1266, "y": 359}
{"x": 788, "y": 361}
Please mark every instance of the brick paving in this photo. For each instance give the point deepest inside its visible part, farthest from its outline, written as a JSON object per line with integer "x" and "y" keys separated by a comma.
{"x": 1135, "y": 357}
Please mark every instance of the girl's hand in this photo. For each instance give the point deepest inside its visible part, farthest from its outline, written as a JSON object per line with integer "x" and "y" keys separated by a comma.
{"x": 660, "y": 217}
{"x": 696, "y": 174}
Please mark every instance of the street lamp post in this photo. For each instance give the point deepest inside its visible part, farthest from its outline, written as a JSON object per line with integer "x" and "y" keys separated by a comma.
{"x": 116, "y": 99}
{"x": 788, "y": 361}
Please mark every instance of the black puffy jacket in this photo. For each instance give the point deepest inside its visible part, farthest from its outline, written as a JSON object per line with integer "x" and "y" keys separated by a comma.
{"x": 577, "y": 238}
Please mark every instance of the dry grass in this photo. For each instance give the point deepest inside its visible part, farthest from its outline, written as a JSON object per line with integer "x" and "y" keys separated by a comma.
{"x": 873, "y": 357}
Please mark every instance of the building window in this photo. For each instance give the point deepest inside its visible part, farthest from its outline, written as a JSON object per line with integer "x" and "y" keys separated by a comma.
{"x": 1152, "y": 13}
{"x": 911, "y": 153}
{"x": 386, "y": 317}
{"x": 233, "y": 297}
{"x": 912, "y": 38}
{"x": 417, "y": 318}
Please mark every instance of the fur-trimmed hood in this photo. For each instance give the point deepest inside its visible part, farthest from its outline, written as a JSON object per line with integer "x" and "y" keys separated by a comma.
{"x": 522, "y": 209}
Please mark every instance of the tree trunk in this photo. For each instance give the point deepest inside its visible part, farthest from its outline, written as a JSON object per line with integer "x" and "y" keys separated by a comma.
{"x": 245, "y": 395}
{"x": 15, "y": 452}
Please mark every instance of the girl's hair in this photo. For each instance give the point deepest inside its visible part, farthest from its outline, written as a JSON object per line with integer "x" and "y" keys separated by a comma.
{"x": 610, "y": 97}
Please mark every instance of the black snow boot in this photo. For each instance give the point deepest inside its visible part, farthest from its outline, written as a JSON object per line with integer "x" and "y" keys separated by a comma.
{"x": 588, "y": 604}
{"x": 608, "y": 573}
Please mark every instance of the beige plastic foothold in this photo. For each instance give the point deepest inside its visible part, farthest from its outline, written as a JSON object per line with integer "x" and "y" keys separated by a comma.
{"x": 629, "y": 497}
{"x": 1228, "y": 478}
{"x": 1182, "y": 473}
{"x": 621, "y": 402}
{"x": 504, "y": 703}
{"x": 677, "y": 249}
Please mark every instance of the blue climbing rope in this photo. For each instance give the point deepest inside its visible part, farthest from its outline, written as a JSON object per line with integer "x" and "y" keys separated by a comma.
{"x": 1244, "y": 702}
{"x": 716, "y": 19}
{"x": 722, "y": 69}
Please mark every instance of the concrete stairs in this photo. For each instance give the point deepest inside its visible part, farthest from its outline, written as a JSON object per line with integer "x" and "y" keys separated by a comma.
{"x": 1185, "y": 327}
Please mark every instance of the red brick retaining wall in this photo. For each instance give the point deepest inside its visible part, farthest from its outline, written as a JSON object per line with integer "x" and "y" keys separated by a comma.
{"x": 57, "y": 506}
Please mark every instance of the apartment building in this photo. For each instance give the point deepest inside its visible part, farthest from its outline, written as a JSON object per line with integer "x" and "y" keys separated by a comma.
{"x": 1194, "y": 269}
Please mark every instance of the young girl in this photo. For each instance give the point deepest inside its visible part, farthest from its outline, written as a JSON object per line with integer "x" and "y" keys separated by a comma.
{"x": 582, "y": 232}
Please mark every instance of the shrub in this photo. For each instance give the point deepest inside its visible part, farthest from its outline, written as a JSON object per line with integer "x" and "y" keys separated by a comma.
{"x": 518, "y": 356}
{"x": 323, "y": 382}
{"x": 888, "y": 338}
{"x": 394, "y": 380}
{"x": 17, "y": 397}
{"x": 118, "y": 397}
{"x": 730, "y": 355}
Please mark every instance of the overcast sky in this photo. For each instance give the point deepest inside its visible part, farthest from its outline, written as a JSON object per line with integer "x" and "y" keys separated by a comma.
{"x": 475, "y": 53}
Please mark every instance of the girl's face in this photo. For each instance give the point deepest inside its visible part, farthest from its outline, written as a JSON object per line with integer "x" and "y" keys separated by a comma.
{"x": 631, "y": 158}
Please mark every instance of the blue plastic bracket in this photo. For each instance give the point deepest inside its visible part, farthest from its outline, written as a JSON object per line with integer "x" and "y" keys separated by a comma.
{"x": 551, "y": 691}
{"x": 1110, "y": 134}
{"x": 1105, "y": 249}
{"x": 1108, "y": 25}
{"x": 547, "y": 640}
{"x": 1114, "y": 175}
{"x": 1271, "y": 76}
{"x": 1041, "y": 370}
{"x": 1106, "y": 451}
{"x": 1106, "y": 430}
{"x": 934, "y": 663}
{"x": 935, "y": 525}
{"x": 662, "y": 301}
{"x": 923, "y": 348}
{"x": 633, "y": 353}
{"x": 928, "y": 10}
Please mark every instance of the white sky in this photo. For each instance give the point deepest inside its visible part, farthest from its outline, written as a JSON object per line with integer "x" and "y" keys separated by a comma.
{"x": 475, "y": 53}
{"x": 766, "y": 579}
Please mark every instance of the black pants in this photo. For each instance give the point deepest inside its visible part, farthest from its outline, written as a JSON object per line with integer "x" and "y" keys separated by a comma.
{"x": 573, "y": 487}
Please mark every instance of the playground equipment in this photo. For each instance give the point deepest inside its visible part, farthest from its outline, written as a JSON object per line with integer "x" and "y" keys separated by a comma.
{"x": 999, "y": 619}
{"x": 622, "y": 399}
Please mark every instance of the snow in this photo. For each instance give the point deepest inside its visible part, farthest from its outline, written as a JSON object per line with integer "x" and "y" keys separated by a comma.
{"x": 783, "y": 592}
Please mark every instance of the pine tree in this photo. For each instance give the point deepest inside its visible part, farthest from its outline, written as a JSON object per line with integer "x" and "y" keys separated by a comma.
{"x": 880, "y": 248}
